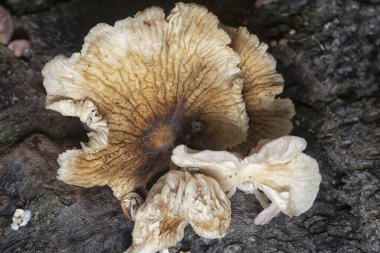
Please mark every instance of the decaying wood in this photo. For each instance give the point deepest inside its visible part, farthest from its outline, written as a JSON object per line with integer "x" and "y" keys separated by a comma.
{"x": 328, "y": 53}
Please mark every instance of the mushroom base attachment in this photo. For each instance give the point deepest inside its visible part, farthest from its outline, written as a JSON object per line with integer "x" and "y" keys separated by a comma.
{"x": 130, "y": 203}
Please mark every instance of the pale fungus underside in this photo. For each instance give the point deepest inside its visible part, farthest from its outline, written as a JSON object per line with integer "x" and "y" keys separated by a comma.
{"x": 277, "y": 172}
{"x": 149, "y": 84}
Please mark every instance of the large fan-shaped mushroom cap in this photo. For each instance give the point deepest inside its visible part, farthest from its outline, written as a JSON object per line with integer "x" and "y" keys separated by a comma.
{"x": 142, "y": 86}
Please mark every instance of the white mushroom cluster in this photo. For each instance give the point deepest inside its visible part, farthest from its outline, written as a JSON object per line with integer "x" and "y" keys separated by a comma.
{"x": 151, "y": 86}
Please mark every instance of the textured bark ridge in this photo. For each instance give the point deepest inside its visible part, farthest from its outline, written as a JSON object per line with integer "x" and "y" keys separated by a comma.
{"x": 328, "y": 52}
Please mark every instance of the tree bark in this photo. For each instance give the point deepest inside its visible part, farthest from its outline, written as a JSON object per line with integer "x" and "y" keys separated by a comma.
{"x": 329, "y": 54}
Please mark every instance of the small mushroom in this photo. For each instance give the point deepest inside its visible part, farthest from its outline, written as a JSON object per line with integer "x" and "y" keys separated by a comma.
{"x": 177, "y": 199}
{"x": 269, "y": 116}
{"x": 277, "y": 172}
{"x": 143, "y": 86}
{"x": 6, "y": 26}
{"x": 20, "y": 218}
{"x": 20, "y": 47}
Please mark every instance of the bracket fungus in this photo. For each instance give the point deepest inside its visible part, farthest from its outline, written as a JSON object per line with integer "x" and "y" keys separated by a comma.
{"x": 177, "y": 199}
{"x": 288, "y": 178}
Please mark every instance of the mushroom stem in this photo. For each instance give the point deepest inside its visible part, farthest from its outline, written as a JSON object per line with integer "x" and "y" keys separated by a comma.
{"x": 130, "y": 203}
{"x": 267, "y": 214}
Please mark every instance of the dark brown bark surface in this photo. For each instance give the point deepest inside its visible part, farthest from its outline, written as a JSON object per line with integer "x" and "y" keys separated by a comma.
{"x": 330, "y": 58}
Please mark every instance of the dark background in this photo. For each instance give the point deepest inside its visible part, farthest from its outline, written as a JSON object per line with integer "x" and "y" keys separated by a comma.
{"x": 328, "y": 52}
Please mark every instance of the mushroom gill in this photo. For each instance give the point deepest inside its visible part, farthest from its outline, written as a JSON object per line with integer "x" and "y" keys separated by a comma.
{"x": 142, "y": 86}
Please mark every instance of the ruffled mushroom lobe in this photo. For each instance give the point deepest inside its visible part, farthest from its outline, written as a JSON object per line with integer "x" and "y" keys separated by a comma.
{"x": 177, "y": 199}
{"x": 269, "y": 116}
{"x": 288, "y": 178}
{"x": 142, "y": 86}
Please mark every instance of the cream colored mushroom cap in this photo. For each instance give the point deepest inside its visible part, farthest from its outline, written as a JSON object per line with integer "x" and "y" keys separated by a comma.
{"x": 179, "y": 198}
{"x": 143, "y": 85}
{"x": 289, "y": 178}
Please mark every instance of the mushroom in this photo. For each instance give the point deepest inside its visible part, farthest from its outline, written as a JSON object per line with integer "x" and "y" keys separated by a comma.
{"x": 20, "y": 218}
{"x": 143, "y": 86}
{"x": 269, "y": 116}
{"x": 177, "y": 199}
{"x": 282, "y": 177}
{"x": 6, "y": 26}
{"x": 20, "y": 47}
{"x": 150, "y": 83}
